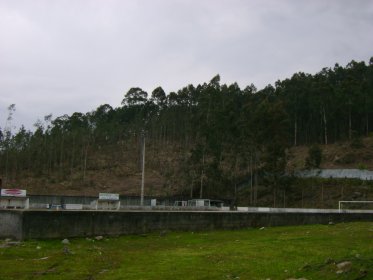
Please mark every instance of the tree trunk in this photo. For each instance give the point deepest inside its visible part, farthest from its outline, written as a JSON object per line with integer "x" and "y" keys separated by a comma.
{"x": 72, "y": 157}
{"x": 202, "y": 175}
{"x": 191, "y": 189}
{"x": 85, "y": 161}
{"x": 255, "y": 182}
{"x": 201, "y": 186}
{"x": 235, "y": 193}
{"x": 6, "y": 163}
{"x": 251, "y": 180}
{"x": 235, "y": 178}
{"x": 61, "y": 156}
{"x": 367, "y": 125}
{"x": 325, "y": 127}
{"x": 295, "y": 131}
{"x": 349, "y": 124}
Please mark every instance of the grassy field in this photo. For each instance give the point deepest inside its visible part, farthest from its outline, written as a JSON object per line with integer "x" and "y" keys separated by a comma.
{"x": 311, "y": 252}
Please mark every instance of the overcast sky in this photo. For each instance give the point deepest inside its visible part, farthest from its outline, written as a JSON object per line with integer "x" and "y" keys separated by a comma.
{"x": 64, "y": 56}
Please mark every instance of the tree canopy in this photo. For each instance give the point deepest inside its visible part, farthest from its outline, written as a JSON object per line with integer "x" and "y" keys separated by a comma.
{"x": 223, "y": 133}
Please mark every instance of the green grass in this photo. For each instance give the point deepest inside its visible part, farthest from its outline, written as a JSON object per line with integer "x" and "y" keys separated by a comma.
{"x": 276, "y": 253}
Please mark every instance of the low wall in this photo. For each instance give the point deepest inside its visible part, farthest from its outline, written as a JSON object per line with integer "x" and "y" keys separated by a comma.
{"x": 33, "y": 224}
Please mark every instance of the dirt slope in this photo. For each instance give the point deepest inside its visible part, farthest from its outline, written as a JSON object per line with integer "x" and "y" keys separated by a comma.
{"x": 163, "y": 171}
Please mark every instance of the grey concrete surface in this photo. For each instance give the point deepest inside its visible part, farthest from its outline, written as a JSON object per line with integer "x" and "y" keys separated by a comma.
{"x": 336, "y": 173}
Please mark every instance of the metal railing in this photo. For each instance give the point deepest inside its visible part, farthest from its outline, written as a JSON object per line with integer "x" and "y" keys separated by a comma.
{"x": 352, "y": 201}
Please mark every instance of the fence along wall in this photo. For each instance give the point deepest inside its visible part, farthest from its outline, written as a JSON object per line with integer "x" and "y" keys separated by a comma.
{"x": 37, "y": 200}
{"x": 34, "y": 224}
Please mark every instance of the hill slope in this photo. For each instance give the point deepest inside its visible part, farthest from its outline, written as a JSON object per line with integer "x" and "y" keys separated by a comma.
{"x": 164, "y": 173}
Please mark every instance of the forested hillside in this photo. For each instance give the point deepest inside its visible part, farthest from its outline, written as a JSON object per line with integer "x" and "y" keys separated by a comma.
{"x": 204, "y": 140}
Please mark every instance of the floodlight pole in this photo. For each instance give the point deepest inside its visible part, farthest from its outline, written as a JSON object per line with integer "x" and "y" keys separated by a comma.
{"x": 143, "y": 169}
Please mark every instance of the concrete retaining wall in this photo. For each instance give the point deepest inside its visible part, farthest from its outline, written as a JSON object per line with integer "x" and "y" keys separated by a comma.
{"x": 11, "y": 224}
{"x": 33, "y": 224}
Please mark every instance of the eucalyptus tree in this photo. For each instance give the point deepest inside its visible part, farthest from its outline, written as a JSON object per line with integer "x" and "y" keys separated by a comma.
{"x": 59, "y": 132}
{"x": 324, "y": 98}
{"x": 102, "y": 123}
{"x": 369, "y": 96}
{"x": 8, "y": 136}
{"x": 136, "y": 108}
{"x": 296, "y": 94}
{"x": 135, "y": 96}
{"x": 159, "y": 97}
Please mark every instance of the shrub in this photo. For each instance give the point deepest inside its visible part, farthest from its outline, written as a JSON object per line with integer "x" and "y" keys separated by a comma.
{"x": 348, "y": 158}
{"x": 362, "y": 166}
{"x": 314, "y": 157}
{"x": 356, "y": 141}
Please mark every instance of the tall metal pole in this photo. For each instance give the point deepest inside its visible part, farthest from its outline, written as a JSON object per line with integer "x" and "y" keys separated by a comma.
{"x": 143, "y": 170}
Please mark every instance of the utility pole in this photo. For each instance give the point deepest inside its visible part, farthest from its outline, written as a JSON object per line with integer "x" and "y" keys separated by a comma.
{"x": 143, "y": 169}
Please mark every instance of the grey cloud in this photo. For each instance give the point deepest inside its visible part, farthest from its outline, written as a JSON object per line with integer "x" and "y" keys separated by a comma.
{"x": 64, "y": 56}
